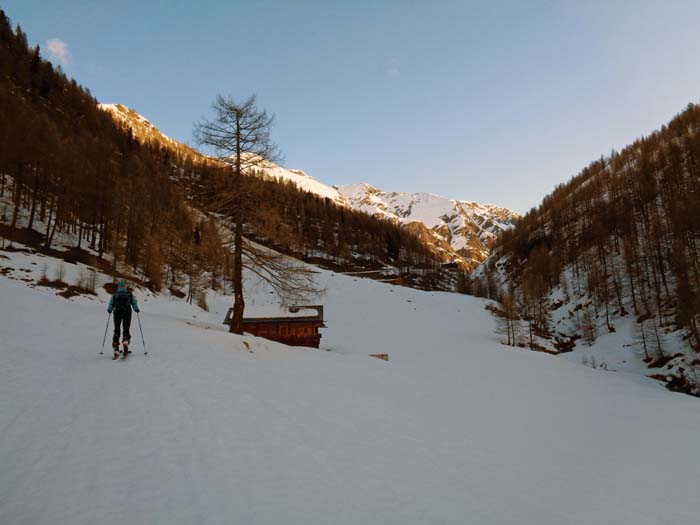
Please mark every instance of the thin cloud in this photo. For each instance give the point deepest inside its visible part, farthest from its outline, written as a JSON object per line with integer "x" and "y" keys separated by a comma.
{"x": 58, "y": 49}
{"x": 393, "y": 72}
{"x": 392, "y": 69}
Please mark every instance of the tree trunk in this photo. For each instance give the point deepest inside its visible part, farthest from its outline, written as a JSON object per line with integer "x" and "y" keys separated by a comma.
{"x": 658, "y": 340}
{"x": 239, "y": 302}
{"x": 48, "y": 222}
{"x": 17, "y": 202}
{"x": 49, "y": 240}
{"x": 644, "y": 341}
{"x": 35, "y": 191}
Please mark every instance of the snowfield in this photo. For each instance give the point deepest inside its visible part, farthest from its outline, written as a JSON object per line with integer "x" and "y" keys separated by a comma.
{"x": 454, "y": 429}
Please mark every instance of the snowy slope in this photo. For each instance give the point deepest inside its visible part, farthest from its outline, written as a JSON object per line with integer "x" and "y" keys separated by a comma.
{"x": 454, "y": 429}
{"x": 464, "y": 230}
{"x": 304, "y": 182}
{"x": 572, "y": 317}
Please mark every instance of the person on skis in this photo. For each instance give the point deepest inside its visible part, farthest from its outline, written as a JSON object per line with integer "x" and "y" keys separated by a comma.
{"x": 121, "y": 304}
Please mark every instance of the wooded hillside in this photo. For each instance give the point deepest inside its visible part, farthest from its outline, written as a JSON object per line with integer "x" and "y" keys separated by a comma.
{"x": 624, "y": 232}
{"x": 72, "y": 169}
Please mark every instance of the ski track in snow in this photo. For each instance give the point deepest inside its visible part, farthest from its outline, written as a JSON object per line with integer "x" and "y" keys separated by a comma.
{"x": 454, "y": 429}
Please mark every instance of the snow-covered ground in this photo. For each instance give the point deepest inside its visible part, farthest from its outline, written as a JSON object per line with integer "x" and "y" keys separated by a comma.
{"x": 455, "y": 428}
{"x": 668, "y": 354}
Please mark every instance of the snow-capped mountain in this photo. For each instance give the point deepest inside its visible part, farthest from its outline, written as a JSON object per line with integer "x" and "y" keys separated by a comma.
{"x": 458, "y": 230}
{"x": 463, "y": 230}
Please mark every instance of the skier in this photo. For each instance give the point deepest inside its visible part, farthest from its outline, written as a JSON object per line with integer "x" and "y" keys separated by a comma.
{"x": 122, "y": 303}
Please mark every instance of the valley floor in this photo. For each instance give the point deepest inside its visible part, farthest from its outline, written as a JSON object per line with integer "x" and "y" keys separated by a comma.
{"x": 454, "y": 429}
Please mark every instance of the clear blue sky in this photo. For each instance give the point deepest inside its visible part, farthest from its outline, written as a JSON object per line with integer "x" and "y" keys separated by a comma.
{"x": 490, "y": 101}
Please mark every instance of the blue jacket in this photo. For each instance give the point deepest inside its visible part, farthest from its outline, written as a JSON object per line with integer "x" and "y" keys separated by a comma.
{"x": 132, "y": 300}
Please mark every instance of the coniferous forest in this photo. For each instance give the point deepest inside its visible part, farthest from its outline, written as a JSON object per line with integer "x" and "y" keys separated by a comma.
{"x": 624, "y": 233}
{"x": 145, "y": 205}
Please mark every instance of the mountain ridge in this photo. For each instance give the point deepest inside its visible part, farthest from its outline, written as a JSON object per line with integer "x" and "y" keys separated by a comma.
{"x": 458, "y": 231}
{"x": 466, "y": 230}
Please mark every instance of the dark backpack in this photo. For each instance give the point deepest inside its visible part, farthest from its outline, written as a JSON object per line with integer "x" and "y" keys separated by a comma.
{"x": 122, "y": 303}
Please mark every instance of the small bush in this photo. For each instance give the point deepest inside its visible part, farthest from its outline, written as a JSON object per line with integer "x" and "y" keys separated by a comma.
{"x": 52, "y": 284}
{"x": 82, "y": 279}
{"x": 92, "y": 280}
{"x": 88, "y": 280}
{"x": 177, "y": 293}
{"x": 60, "y": 273}
{"x": 202, "y": 302}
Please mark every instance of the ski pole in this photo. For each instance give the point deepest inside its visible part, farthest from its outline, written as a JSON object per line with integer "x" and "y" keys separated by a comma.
{"x": 143, "y": 341}
{"x": 105, "y": 337}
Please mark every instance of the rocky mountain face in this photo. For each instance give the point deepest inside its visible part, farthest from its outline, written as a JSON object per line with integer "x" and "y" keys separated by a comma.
{"x": 463, "y": 231}
{"x": 458, "y": 231}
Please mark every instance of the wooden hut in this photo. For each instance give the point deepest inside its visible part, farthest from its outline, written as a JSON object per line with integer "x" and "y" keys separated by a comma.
{"x": 294, "y": 331}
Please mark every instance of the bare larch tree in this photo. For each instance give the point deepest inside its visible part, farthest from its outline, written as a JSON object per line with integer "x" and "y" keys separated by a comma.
{"x": 239, "y": 134}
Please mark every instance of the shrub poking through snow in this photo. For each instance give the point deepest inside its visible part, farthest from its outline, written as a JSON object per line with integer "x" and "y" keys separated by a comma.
{"x": 202, "y": 302}
{"x": 87, "y": 280}
{"x": 60, "y": 273}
